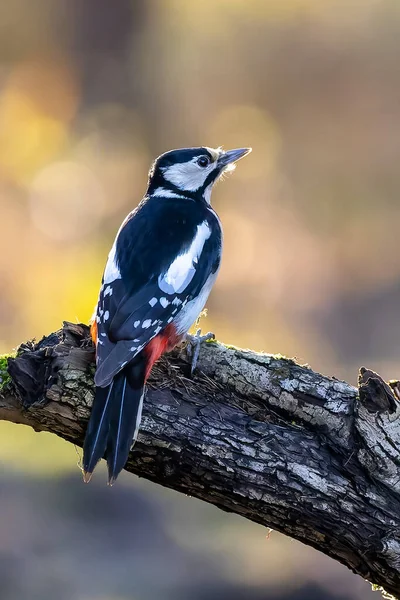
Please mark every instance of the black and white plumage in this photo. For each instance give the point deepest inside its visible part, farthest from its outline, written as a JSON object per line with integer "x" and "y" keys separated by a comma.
{"x": 157, "y": 279}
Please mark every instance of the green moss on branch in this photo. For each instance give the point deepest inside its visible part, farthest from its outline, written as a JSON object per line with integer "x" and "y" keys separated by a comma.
{"x": 5, "y": 379}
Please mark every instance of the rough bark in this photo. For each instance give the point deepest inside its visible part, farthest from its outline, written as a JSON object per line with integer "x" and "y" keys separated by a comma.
{"x": 255, "y": 434}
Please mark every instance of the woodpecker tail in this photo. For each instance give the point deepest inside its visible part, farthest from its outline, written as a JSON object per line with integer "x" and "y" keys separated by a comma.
{"x": 114, "y": 422}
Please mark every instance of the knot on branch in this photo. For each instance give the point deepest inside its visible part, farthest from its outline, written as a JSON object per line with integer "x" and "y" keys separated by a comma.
{"x": 35, "y": 370}
{"x": 391, "y": 549}
{"x": 378, "y": 426}
{"x": 375, "y": 393}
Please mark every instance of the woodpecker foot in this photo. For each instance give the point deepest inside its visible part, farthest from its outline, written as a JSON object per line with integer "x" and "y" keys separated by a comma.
{"x": 193, "y": 343}
{"x": 86, "y": 476}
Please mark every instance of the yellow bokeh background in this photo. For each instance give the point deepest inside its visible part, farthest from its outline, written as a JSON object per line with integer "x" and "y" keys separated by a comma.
{"x": 91, "y": 92}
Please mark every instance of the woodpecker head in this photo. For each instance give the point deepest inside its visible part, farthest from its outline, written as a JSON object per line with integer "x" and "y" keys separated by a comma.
{"x": 191, "y": 171}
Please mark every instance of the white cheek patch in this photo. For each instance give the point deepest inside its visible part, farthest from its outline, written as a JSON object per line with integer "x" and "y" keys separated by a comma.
{"x": 181, "y": 271}
{"x": 111, "y": 272}
{"x": 188, "y": 176}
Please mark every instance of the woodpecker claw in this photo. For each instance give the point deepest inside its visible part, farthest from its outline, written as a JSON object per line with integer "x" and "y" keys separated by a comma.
{"x": 193, "y": 346}
{"x": 87, "y": 476}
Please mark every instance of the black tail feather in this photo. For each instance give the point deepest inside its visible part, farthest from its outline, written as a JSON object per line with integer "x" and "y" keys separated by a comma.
{"x": 95, "y": 442}
{"x": 114, "y": 422}
{"x": 123, "y": 428}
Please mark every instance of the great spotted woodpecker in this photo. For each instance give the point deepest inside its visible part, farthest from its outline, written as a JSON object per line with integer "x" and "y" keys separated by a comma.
{"x": 158, "y": 276}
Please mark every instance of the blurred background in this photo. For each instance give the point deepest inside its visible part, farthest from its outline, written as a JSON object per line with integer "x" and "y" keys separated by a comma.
{"x": 90, "y": 92}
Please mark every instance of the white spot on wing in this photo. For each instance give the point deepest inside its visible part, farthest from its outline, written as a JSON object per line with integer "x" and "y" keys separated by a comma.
{"x": 153, "y": 301}
{"x": 157, "y": 330}
{"x": 136, "y": 324}
{"x": 108, "y": 291}
{"x": 106, "y": 315}
{"x": 181, "y": 271}
{"x": 146, "y": 323}
{"x": 164, "y": 302}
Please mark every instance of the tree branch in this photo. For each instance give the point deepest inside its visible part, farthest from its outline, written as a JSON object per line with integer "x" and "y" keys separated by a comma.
{"x": 255, "y": 434}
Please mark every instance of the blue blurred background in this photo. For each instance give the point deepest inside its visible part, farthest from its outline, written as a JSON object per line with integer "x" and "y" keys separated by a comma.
{"x": 90, "y": 92}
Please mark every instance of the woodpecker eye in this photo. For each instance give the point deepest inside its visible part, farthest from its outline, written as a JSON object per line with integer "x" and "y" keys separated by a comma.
{"x": 203, "y": 161}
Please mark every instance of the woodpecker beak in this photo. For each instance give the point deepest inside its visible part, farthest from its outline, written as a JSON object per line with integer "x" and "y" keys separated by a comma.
{"x": 231, "y": 156}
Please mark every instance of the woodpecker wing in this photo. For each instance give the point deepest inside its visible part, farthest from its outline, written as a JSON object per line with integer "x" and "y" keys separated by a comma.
{"x": 155, "y": 269}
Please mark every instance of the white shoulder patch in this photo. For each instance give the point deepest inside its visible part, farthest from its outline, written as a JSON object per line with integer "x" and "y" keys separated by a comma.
{"x": 111, "y": 272}
{"x": 181, "y": 271}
